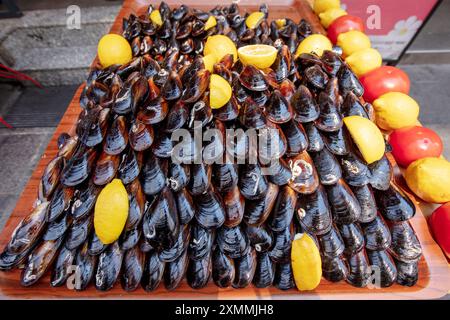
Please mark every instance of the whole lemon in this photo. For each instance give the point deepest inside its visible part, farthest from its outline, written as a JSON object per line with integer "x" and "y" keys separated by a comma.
{"x": 327, "y": 17}
{"x": 113, "y": 49}
{"x": 315, "y": 43}
{"x": 306, "y": 262}
{"x": 364, "y": 60}
{"x": 111, "y": 211}
{"x": 324, "y": 5}
{"x": 395, "y": 110}
{"x": 220, "y": 45}
{"x": 353, "y": 41}
{"x": 429, "y": 178}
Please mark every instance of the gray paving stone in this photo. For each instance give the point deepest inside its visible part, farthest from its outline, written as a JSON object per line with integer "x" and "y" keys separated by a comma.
{"x": 7, "y": 205}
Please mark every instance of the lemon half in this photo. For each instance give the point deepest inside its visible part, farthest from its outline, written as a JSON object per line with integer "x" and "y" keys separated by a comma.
{"x": 259, "y": 55}
{"x": 219, "y": 91}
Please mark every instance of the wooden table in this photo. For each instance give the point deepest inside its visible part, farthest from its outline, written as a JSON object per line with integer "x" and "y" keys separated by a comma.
{"x": 434, "y": 272}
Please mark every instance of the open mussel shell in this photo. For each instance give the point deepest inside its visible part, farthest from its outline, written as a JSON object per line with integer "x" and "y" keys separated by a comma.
{"x": 353, "y": 238}
{"x": 381, "y": 174}
{"x": 160, "y": 223}
{"x": 245, "y": 269}
{"x": 281, "y": 249}
{"x": 305, "y": 179}
{"x": 58, "y": 227}
{"x": 200, "y": 179}
{"x": 284, "y": 278}
{"x": 257, "y": 211}
{"x": 28, "y": 230}
{"x": 233, "y": 241}
{"x": 234, "y": 204}
{"x": 355, "y": 170}
{"x": 50, "y": 177}
{"x": 334, "y": 269}
{"x": 108, "y": 268}
{"x": 116, "y": 139}
{"x": 105, "y": 169}
{"x": 407, "y": 273}
{"x": 313, "y": 212}
{"x": 78, "y": 167}
{"x": 79, "y": 231}
{"x": 63, "y": 262}
{"x": 315, "y": 140}
{"x": 296, "y": 138}
{"x": 175, "y": 271}
{"x": 201, "y": 242}
{"x": 386, "y": 267}
{"x": 376, "y": 234}
{"x": 132, "y": 269}
{"x": 252, "y": 183}
{"x": 327, "y": 166}
{"x": 95, "y": 245}
{"x": 129, "y": 238}
{"x": 153, "y": 272}
{"x": 39, "y": 261}
{"x": 265, "y": 270}
{"x": 283, "y": 211}
{"x": 394, "y": 204}
{"x": 305, "y": 107}
{"x": 360, "y": 271}
{"x": 405, "y": 245}
{"x": 84, "y": 200}
{"x": 153, "y": 174}
{"x": 343, "y": 203}
{"x": 223, "y": 270}
{"x": 331, "y": 243}
{"x": 61, "y": 201}
{"x": 171, "y": 254}
{"x": 199, "y": 272}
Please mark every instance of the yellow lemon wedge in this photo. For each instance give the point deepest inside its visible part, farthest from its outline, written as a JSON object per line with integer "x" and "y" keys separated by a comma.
{"x": 363, "y": 61}
{"x": 155, "y": 17}
{"x": 210, "y": 23}
{"x": 395, "y": 110}
{"x": 324, "y": 5}
{"x": 113, "y": 49}
{"x": 429, "y": 178}
{"x": 254, "y": 19}
{"x": 327, "y": 17}
{"x": 209, "y": 61}
{"x": 259, "y": 55}
{"x": 220, "y": 45}
{"x": 111, "y": 212}
{"x": 367, "y": 137}
{"x": 219, "y": 91}
{"x": 315, "y": 43}
{"x": 306, "y": 262}
{"x": 353, "y": 41}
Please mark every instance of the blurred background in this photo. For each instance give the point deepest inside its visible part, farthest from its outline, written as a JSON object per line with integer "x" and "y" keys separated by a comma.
{"x": 38, "y": 43}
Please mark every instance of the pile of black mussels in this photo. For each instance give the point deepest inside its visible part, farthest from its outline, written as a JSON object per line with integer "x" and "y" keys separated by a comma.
{"x": 216, "y": 221}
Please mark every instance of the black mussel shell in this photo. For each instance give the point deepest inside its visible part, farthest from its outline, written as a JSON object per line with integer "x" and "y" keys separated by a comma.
{"x": 360, "y": 272}
{"x": 61, "y": 270}
{"x": 171, "y": 90}
{"x": 84, "y": 200}
{"x": 9, "y": 260}
{"x": 185, "y": 206}
{"x": 105, "y": 169}
{"x": 201, "y": 242}
{"x": 257, "y": 211}
{"x": 387, "y": 270}
{"x": 153, "y": 174}
{"x": 136, "y": 199}
{"x": 177, "y": 117}
{"x": 199, "y": 272}
{"x": 109, "y": 266}
{"x": 348, "y": 82}
{"x": 153, "y": 272}
{"x": 405, "y": 245}
{"x": 175, "y": 271}
{"x": 330, "y": 119}
{"x": 130, "y": 166}
{"x": 153, "y": 111}
{"x": 296, "y": 138}
{"x": 232, "y": 241}
{"x": 353, "y": 238}
{"x": 354, "y": 170}
{"x": 338, "y": 142}
{"x": 278, "y": 171}
{"x": 225, "y": 176}
{"x": 407, "y": 273}
{"x": 195, "y": 85}
{"x": 334, "y": 269}
{"x": 78, "y": 167}
{"x": 252, "y": 183}
{"x": 140, "y": 136}
{"x": 272, "y": 143}
{"x": 305, "y": 107}
{"x": 305, "y": 179}
{"x": 314, "y": 213}
{"x": 234, "y": 204}
{"x": 161, "y": 224}
{"x": 92, "y": 126}
{"x": 278, "y": 109}
{"x": 344, "y": 205}
{"x": 331, "y": 243}
{"x": 58, "y": 227}
{"x": 79, "y": 231}
{"x": 60, "y": 202}
{"x": 200, "y": 179}
{"x": 171, "y": 254}
{"x": 116, "y": 139}
{"x": 86, "y": 266}
{"x": 39, "y": 261}
{"x": 315, "y": 139}
{"x": 376, "y": 234}
{"x": 245, "y": 269}
{"x": 284, "y": 278}
{"x": 281, "y": 249}
{"x": 282, "y": 64}
{"x": 132, "y": 269}
{"x": 210, "y": 210}
{"x": 253, "y": 79}
{"x": 252, "y": 115}
{"x": 265, "y": 270}
{"x": 332, "y": 62}
{"x": 162, "y": 146}
{"x": 95, "y": 245}
{"x": 367, "y": 203}
{"x": 123, "y": 99}
{"x": 260, "y": 238}
{"x": 283, "y": 211}
{"x": 129, "y": 238}
{"x": 381, "y": 174}
{"x": 394, "y": 204}
{"x": 50, "y": 177}
{"x": 327, "y": 166}
{"x": 352, "y": 106}
{"x": 222, "y": 269}
{"x": 229, "y": 111}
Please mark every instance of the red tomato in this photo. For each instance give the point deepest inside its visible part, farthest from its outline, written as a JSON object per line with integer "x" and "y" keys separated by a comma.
{"x": 413, "y": 143}
{"x": 344, "y": 24}
{"x": 383, "y": 80}
{"x": 440, "y": 227}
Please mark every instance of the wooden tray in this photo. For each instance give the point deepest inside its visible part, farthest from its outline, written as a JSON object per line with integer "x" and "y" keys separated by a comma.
{"x": 434, "y": 275}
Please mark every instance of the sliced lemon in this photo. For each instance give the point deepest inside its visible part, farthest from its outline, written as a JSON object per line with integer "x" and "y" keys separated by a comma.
{"x": 209, "y": 61}
{"x": 395, "y": 110}
{"x": 211, "y": 22}
{"x": 324, "y": 5}
{"x": 327, "y": 17}
{"x": 254, "y": 19}
{"x": 315, "y": 43}
{"x": 220, "y": 45}
{"x": 113, "y": 49}
{"x": 353, "y": 41}
{"x": 259, "y": 55}
{"x": 111, "y": 211}
{"x": 155, "y": 17}
{"x": 365, "y": 60}
{"x": 306, "y": 262}
{"x": 367, "y": 137}
{"x": 219, "y": 91}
